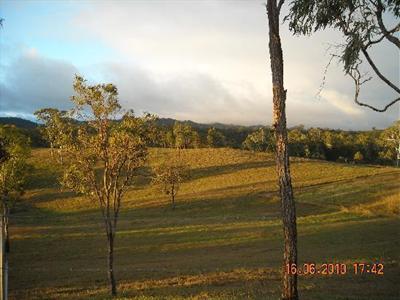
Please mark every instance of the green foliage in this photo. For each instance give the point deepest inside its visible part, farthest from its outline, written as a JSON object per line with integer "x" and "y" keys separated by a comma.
{"x": 336, "y": 145}
{"x": 358, "y": 20}
{"x": 358, "y": 157}
{"x": 13, "y": 166}
{"x": 183, "y": 136}
{"x": 215, "y": 138}
{"x": 54, "y": 122}
{"x": 28, "y": 128}
{"x": 389, "y": 141}
{"x": 119, "y": 148}
{"x": 260, "y": 140}
{"x": 362, "y": 23}
{"x": 100, "y": 155}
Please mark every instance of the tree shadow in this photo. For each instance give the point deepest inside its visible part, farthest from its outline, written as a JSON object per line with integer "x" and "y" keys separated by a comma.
{"x": 226, "y": 169}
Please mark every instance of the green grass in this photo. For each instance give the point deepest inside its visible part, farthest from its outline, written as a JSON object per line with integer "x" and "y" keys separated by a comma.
{"x": 223, "y": 241}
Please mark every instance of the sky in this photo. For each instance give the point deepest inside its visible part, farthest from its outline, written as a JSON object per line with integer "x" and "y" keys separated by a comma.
{"x": 205, "y": 61}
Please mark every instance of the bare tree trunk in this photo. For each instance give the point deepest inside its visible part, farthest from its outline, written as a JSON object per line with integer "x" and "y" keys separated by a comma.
{"x": 289, "y": 291}
{"x": 51, "y": 150}
{"x": 110, "y": 237}
{"x": 6, "y": 234}
{"x": 173, "y": 196}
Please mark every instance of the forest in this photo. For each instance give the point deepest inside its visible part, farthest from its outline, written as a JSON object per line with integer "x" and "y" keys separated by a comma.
{"x": 376, "y": 146}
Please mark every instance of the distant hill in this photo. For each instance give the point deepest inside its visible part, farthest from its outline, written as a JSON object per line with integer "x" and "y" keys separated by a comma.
{"x": 171, "y": 122}
{"x": 27, "y": 124}
{"x": 18, "y": 122}
{"x": 235, "y": 134}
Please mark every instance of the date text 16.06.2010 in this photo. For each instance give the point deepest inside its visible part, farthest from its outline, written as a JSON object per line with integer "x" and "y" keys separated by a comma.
{"x": 357, "y": 268}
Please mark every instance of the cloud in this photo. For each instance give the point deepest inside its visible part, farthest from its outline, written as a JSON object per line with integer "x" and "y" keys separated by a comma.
{"x": 191, "y": 95}
{"x": 223, "y": 45}
{"x": 32, "y": 82}
{"x": 207, "y": 62}
{"x": 342, "y": 102}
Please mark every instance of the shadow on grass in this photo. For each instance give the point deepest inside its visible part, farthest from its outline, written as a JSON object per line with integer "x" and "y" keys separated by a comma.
{"x": 230, "y": 168}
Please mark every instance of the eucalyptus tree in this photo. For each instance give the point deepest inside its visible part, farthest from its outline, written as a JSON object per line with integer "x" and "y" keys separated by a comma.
{"x": 364, "y": 24}
{"x": 103, "y": 147}
{"x": 390, "y": 142}
{"x": 289, "y": 279}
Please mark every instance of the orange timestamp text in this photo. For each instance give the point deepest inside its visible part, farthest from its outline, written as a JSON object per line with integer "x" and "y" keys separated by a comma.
{"x": 357, "y": 268}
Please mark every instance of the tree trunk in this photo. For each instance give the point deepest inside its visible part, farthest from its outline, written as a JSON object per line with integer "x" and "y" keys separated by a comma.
{"x": 289, "y": 291}
{"x": 111, "y": 277}
{"x": 173, "y": 196}
{"x": 6, "y": 234}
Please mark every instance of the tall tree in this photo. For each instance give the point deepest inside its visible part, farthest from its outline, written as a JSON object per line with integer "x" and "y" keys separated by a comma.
{"x": 289, "y": 290}
{"x": 101, "y": 154}
{"x": 363, "y": 25}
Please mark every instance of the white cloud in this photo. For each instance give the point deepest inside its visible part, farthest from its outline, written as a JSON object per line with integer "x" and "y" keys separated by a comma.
{"x": 342, "y": 102}
{"x": 207, "y": 61}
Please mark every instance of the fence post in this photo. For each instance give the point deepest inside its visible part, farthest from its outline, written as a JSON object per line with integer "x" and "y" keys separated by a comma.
{"x": 2, "y": 269}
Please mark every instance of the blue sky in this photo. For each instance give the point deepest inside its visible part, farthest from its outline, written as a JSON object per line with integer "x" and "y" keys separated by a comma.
{"x": 201, "y": 60}
{"x": 44, "y": 26}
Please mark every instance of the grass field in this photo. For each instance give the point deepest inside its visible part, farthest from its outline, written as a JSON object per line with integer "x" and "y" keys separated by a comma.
{"x": 224, "y": 239}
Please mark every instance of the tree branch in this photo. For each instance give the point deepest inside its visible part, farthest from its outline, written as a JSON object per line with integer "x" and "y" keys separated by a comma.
{"x": 372, "y": 42}
{"x": 357, "y": 78}
{"x": 388, "y": 34}
{"x": 376, "y": 70}
{"x": 281, "y": 2}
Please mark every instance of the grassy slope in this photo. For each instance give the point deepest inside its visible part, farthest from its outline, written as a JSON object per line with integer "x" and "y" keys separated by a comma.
{"x": 224, "y": 240}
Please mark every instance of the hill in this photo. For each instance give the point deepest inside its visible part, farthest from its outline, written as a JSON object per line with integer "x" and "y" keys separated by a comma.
{"x": 224, "y": 239}
{"x": 27, "y": 124}
{"x": 18, "y": 122}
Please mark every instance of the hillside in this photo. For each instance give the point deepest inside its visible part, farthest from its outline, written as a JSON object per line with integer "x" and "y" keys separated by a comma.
{"x": 224, "y": 239}
{"x": 27, "y": 124}
{"x": 18, "y": 122}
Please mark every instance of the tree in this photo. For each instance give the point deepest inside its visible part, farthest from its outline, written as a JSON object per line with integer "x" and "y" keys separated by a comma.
{"x": 390, "y": 142}
{"x": 196, "y": 140}
{"x": 358, "y": 157}
{"x": 169, "y": 175}
{"x": 13, "y": 170}
{"x": 102, "y": 154}
{"x": 3, "y": 152}
{"x": 215, "y": 138}
{"x": 289, "y": 290}
{"x": 298, "y": 142}
{"x": 315, "y": 143}
{"x": 170, "y": 139}
{"x": 259, "y": 140}
{"x": 184, "y": 136}
{"x": 362, "y": 24}
{"x": 52, "y": 121}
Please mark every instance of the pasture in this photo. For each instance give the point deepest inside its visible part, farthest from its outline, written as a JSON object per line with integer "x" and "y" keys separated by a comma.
{"x": 223, "y": 240}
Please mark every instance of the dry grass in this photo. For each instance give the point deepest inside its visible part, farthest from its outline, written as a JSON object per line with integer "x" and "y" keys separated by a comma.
{"x": 224, "y": 239}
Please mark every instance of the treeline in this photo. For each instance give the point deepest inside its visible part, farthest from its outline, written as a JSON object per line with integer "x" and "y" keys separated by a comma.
{"x": 182, "y": 135}
{"x": 373, "y": 146}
